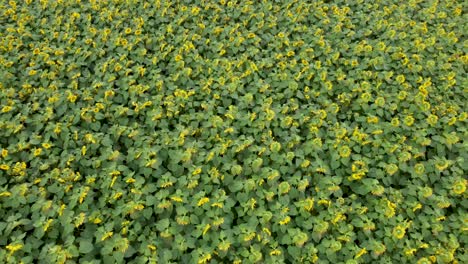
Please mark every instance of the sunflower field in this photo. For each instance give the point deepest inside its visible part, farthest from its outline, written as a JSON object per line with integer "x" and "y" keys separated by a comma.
{"x": 233, "y": 131}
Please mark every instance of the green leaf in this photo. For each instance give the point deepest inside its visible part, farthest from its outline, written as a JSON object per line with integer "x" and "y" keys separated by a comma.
{"x": 334, "y": 164}
{"x": 86, "y": 246}
{"x": 162, "y": 224}
{"x": 295, "y": 252}
{"x": 236, "y": 186}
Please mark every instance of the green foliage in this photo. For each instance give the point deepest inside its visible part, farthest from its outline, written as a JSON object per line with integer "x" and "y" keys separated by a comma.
{"x": 232, "y": 131}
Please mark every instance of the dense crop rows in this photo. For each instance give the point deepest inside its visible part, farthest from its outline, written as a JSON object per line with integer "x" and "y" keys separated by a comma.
{"x": 233, "y": 131}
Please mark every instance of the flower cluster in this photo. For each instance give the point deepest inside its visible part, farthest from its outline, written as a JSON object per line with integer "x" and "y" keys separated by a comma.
{"x": 232, "y": 131}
